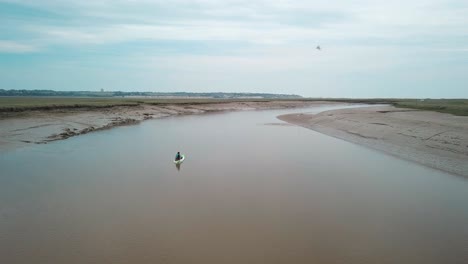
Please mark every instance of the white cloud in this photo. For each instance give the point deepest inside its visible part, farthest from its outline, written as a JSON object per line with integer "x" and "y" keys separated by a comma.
{"x": 183, "y": 30}
{"x": 16, "y": 47}
{"x": 256, "y": 22}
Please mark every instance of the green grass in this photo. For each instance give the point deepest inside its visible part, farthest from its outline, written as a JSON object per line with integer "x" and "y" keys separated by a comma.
{"x": 457, "y": 107}
{"x": 14, "y": 104}
{"x": 17, "y": 104}
{"x": 44, "y": 103}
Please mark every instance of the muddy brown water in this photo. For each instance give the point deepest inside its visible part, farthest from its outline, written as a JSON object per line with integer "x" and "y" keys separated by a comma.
{"x": 251, "y": 190}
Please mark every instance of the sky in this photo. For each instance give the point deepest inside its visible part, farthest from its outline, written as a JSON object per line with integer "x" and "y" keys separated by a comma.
{"x": 369, "y": 48}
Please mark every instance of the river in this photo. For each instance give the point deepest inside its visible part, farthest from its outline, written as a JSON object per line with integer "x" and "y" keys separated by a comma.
{"x": 251, "y": 190}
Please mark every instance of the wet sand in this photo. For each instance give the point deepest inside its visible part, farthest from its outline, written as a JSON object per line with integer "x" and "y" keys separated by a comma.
{"x": 39, "y": 127}
{"x": 436, "y": 140}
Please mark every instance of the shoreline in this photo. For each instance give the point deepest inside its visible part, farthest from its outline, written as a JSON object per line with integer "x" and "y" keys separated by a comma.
{"x": 435, "y": 140}
{"x": 40, "y": 126}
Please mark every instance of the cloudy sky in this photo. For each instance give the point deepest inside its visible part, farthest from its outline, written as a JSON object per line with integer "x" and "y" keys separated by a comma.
{"x": 370, "y": 48}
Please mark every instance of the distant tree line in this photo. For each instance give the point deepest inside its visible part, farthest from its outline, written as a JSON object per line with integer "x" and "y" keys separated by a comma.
{"x": 143, "y": 94}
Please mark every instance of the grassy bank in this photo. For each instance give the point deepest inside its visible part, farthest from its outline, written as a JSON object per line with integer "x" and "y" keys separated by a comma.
{"x": 19, "y": 104}
{"x": 457, "y": 107}
{"x": 44, "y": 103}
{"x": 451, "y": 106}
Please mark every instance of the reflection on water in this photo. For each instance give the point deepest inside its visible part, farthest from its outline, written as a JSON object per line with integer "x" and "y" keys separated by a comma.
{"x": 249, "y": 194}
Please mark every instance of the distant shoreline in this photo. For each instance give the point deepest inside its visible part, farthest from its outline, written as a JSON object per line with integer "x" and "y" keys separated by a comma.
{"x": 39, "y": 121}
{"x": 457, "y": 107}
{"x": 436, "y": 140}
{"x": 102, "y": 94}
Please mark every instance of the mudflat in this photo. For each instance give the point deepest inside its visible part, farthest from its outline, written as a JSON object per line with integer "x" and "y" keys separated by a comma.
{"x": 40, "y": 125}
{"x": 437, "y": 140}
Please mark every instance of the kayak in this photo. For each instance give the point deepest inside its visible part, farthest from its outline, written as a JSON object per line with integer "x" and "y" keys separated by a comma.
{"x": 181, "y": 160}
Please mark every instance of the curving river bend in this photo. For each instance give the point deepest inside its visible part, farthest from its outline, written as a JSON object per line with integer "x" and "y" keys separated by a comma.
{"x": 251, "y": 190}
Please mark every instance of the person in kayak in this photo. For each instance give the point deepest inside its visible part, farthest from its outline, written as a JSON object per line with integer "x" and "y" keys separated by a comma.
{"x": 178, "y": 156}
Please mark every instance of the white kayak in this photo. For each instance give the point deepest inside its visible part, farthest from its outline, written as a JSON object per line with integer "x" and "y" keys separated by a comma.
{"x": 181, "y": 160}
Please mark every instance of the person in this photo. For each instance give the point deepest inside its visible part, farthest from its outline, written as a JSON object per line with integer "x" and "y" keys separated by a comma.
{"x": 178, "y": 156}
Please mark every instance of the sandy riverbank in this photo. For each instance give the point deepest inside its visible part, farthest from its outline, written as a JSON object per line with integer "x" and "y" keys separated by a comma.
{"x": 433, "y": 139}
{"x": 41, "y": 126}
